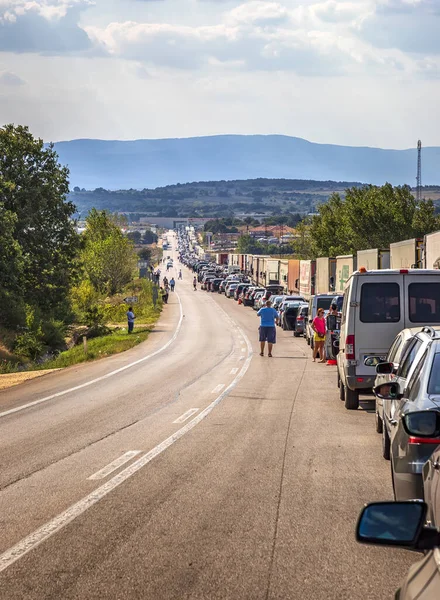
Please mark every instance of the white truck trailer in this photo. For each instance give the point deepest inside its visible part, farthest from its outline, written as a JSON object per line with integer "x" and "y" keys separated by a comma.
{"x": 432, "y": 250}
{"x": 373, "y": 259}
{"x": 345, "y": 266}
{"x": 307, "y": 278}
{"x": 407, "y": 254}
{"x": 325, "y": 275}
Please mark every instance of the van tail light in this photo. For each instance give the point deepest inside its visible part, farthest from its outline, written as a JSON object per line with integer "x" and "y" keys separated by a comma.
{"x": 300, "y": 319}
{"x": 349, "y": 347}
{"x": 422, "y": 440}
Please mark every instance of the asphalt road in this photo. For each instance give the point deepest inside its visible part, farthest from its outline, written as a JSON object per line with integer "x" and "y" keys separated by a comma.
{"x": 252, "y": 494}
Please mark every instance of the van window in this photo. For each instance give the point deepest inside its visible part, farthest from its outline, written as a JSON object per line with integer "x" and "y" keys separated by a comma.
{"x": 380, "y": 303}
{"x": 323, "y": 303}
{"x": 424, "y": 302}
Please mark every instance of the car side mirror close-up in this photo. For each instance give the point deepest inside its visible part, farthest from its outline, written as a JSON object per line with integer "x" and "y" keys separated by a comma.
{"x": 422, "y": 424}
{"x": 388, "y": 391}
{"x": 384, "y": 368}
{"x": 400, "y": 524}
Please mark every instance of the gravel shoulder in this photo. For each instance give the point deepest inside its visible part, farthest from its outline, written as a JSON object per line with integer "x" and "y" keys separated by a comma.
{"x": 10, "y": 379}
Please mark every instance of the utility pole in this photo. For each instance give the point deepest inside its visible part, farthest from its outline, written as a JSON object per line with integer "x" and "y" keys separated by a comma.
{"x": 419, "y": 172}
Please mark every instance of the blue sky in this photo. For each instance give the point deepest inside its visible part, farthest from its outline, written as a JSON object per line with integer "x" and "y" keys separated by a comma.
{"x": 358, "y": 72}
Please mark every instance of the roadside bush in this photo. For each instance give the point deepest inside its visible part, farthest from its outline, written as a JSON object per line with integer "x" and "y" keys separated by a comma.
{"x": 95, "y": 319}
{"x": 28, "y": 344}
{"x": 12, "y": 310}
{"x": 54, "y": 333}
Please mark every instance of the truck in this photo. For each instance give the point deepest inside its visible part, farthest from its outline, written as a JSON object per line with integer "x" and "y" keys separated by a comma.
{"x": 325, "y": 275}
{"x": 432, "y": 250}
{"x": 407, "y": 254}
{"x": 221, "y": 258}
{"x": 272, "y": 271}
{"x": 307, "y": 269}
{"x": 345, "y": 266}
{"x": 293, "y": 276}
{"x": 373, "y": 259}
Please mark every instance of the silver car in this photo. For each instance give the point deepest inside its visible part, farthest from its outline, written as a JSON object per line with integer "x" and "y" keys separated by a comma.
{"x": 412, "y": 413}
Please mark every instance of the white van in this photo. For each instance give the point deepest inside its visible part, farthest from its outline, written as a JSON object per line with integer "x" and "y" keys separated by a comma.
{"x": 377, "y": 305}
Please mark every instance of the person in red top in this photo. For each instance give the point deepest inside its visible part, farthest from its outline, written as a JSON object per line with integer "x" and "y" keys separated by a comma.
{"x": 319, "y": 328}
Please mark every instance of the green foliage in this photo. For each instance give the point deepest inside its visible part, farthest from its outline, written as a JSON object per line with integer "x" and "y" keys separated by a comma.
{"x": 145, "y": 254}
{"x": 135, "y": 237}
{"x": 108, "y": 257}
{"x": 369, "y": 217}
{"x": 33, "y": 189}
{"x": 54, "y": 333}
{"x": 149, "y": 237}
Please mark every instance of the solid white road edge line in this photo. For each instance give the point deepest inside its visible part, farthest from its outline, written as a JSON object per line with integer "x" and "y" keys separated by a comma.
{"x": 46, "y": 531}
{"x": 218, "y": 388}
{"x": 189, "y": 413}
{"x": 111, "y": 374}
{"x": 105, "y": 471}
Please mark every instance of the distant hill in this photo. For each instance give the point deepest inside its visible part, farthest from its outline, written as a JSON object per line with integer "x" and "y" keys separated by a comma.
{"x": 143, "y": 164}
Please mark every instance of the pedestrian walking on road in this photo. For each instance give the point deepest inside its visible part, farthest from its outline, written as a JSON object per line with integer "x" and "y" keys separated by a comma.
{"x": 180, "y": 274}
{"x": 195, "y": 283}
{"x": 172, "y": 284}
{"x": 165, "y": 282}
{"x": 130, "y": 319}
{"x": 318, "y": 327}
{"x": 267, "y": 330}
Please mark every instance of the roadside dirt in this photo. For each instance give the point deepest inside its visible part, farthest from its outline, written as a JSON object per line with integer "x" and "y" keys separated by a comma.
{"x": 10, "y": 379}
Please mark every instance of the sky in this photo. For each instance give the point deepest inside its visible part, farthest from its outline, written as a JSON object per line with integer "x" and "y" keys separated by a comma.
{"x": 357, "y": 72}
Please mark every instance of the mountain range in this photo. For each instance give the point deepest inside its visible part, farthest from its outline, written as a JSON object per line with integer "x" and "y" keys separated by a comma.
{"x": 140, "y": 164}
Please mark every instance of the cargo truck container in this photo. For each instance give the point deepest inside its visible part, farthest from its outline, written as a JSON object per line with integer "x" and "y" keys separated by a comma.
{"x": 293, "y": 276}
{"x": 307, "y": 270}
{"x": 325, "y": 275}
{"x": 272, "y": 271}
{"x": 345, "y": 266}
{"x": 407, "y": 254}
{"x": 373, "y": 259}
{"x": 222, "y": 258}
{"x": 432, "y": 250}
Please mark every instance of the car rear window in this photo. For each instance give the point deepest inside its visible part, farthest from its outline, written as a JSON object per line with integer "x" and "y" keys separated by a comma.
{"x": 434, "y": 378}
{"x": 380, "y": 303}
{"x": 324, "y": 303}
{"x": 424, "y": 302}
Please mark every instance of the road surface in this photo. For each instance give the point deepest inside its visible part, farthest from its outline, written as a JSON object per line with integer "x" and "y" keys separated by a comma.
{"x": 191, "y": 467}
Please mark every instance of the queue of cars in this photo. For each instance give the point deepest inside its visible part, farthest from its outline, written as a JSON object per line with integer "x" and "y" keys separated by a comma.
{"x": 387, "y": 343}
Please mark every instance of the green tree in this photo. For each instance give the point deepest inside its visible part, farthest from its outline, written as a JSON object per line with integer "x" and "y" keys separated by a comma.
{"x": 247, "y": 245}
{"x": 109, "y": 259}
{"x": 135, "y": 237}
{"x": 149, "y": 237}
{"x": 34, "y": 187}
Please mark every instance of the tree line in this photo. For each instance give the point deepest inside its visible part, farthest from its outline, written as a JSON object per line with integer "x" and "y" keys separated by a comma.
{"x": 51, "y": 276}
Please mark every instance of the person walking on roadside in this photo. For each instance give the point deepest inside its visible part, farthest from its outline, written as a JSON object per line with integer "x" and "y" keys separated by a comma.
{"x": 130, "y": 319}
{"x": 267, "y": 330}
{"x": 172, "y": 284}
{"x": 195, "y": 283}
{"x": 180, "y": 274}
{"x": 165, "y": 282}
{"x": 319, "y": 328}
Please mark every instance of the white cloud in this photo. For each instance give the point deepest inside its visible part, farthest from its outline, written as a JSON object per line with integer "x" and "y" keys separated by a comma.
{"x": 10, "y": 79}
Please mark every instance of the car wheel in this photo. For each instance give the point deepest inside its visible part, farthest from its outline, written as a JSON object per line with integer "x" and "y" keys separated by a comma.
{"x": 351, "y": 399}
{"x": 379, "y": 424}
{"x": 386, "y": 446}
{"x": 296, "y": 334}
{"x": 342, "y": 392}
{"x": 339, "y": 378}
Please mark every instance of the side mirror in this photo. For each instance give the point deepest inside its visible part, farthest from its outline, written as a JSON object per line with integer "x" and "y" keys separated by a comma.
{"x": 388, "y": 391}
{"x": 422, "y": 424}
{"x": 384, "y": 368}
{"x": 391, "y": 523}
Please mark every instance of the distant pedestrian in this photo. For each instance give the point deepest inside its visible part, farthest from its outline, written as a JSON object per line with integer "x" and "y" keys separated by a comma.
{"x": 319, "y": 329}
{"x": 267, "y": 330}
{"x": 130, "y": 319}
{"x": 165, "y": 281}
{"x": 155, "y": 295}
{"x": 195, "y": 284}
{"x": 180, "y": 274}
{"x": 172, "y": 284}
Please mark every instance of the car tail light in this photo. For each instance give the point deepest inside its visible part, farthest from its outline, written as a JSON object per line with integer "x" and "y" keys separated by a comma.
{"x": 349, "y": 347}
{"x": 404, "y": 271}
{"x": 360, "y": 379}
{"x": 423, "y": 440}
{"x": 300, "y": 319}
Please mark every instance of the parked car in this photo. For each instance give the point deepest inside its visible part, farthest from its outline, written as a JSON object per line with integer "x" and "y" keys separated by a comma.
{"x": 301, "y": 320}
{"x": 239, "y": 289}
{"x": 272, "y": 290}
{"x": 230, "y": 290}
{"x": 377, "y": 305}
{"x": 412, "y": 414}
{"x": 431, "y": 487}
{"x": 257, "y": 300}
{"x": 402, "y": 524}
{"x": 389, "y": 373}
{"x": 215, "y": 284}
{"x": 206, "y": 282}
{"x": 222, "y": 286}
{"x": 289, "y": 314}
{"x": 318, "y": 301}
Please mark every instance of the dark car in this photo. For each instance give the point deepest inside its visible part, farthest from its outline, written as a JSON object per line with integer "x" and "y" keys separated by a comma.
{"x": 289, "y": 314}
{"x": 250, "y": 299}
{"x": 301, "y": 320}
{"x": 215, "y": 284}
{"x": 240, "y": 288}
{"x": 272, "y": 290}
{"x": 222, "y": 286}
{"x": 402, "y": 525}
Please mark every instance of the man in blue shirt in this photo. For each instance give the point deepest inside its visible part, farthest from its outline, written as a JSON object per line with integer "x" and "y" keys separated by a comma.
{"x": 268, "y": 333}
{"x": 130, "y": 319}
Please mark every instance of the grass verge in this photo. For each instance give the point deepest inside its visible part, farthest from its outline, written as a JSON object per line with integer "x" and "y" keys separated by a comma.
{"x": 100, "y": 347}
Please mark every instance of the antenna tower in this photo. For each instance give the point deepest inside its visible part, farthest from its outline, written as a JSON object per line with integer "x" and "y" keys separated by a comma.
{"x": 419, "y": 172}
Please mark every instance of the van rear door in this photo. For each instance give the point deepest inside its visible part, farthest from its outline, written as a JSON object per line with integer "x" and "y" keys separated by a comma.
{"x": 422, "y": 298}
{"x": 380, "y": 316}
